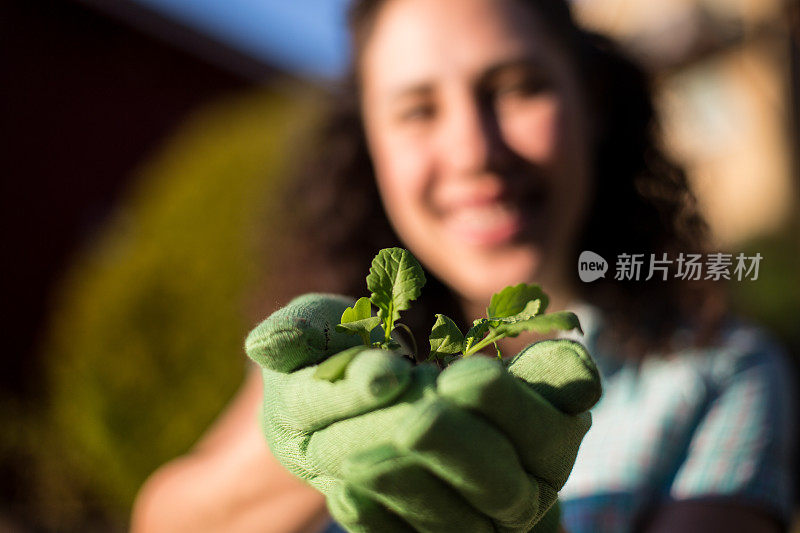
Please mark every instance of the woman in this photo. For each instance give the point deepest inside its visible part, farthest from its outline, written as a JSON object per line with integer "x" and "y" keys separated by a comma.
{"x": 496, "y": 140}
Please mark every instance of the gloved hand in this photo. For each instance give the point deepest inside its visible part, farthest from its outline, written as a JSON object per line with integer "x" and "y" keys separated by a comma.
{"x": 488, "y": 452}
{"x": 484, "y": 450}
{"x": 311, "y": 425}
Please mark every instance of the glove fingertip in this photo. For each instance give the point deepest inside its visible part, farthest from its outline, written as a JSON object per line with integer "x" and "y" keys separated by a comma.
{"x": 471, "y": 374}
{"x": 299, "y": 334}
{"x": 562, "y": 371}
{"x": 383, "y": 374}
{"x": 283, "y": 344}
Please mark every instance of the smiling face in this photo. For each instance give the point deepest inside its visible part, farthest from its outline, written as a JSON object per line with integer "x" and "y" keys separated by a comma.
{"x": 474, "y": 121}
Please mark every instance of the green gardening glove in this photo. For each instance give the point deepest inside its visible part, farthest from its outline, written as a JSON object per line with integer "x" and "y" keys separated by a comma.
{"x": 488, "y": 452}
{"x": 311, "y": 425}
{"x": 317, "y": 429}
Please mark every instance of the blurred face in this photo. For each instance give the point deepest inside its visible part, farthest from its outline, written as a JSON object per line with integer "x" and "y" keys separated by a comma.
{"x": 474, "y": 122}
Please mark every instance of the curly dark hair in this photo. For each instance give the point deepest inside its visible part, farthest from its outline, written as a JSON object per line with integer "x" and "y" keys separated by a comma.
{"x": 644, "y": 204}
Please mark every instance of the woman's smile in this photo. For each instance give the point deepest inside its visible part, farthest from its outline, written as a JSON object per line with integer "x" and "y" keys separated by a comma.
{"x": 484, "y": 222}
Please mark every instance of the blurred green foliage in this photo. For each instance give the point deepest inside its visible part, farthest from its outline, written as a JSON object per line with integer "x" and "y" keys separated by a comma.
{"x": 773, "y": 300}
{"x": 146, "y": 341}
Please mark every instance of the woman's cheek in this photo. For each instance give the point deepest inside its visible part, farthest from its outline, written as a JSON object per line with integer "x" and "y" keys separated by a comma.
{"x": 532, "y": 129}
{"x": 404, "y": 167}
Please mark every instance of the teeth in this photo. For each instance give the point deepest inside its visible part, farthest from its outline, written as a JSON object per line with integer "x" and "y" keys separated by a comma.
{"x": 484, "y": 216}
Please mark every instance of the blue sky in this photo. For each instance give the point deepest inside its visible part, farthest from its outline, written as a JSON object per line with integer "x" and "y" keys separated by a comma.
{"x": 304, "y": 36}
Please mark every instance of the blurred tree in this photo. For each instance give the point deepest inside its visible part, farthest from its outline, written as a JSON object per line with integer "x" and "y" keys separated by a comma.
{"x": 146, "y": 339}
{"x": 774, "y": 298}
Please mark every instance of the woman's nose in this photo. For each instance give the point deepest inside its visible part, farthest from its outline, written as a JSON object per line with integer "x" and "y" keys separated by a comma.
{"x": 471, "y": 141}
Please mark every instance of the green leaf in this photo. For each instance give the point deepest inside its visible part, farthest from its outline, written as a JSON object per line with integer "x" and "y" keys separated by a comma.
{"x": 360, "y": 310}
{"x": 445, "y": 338}
{"x": 359, "y": 326}
{"x": 475, "y": 334}
{"x": 334, "y": 367}
{"x": 561, "y": 320}
{"x": 395, "y": 279}
{"x": 356, "y": 320}
{"x": 514, "y": 300}
{"x": 530, "y": 311}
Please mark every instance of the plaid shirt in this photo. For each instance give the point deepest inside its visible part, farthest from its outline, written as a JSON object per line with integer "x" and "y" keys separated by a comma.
{"x": 701, "y": 423}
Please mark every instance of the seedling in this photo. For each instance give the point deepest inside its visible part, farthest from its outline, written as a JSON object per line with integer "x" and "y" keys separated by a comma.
{"x": 396, "y": 279}
{"x": 511, "y": 311}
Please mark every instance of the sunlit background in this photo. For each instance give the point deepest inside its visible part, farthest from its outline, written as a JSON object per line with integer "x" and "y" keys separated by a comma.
{"x": 142, "y": 142}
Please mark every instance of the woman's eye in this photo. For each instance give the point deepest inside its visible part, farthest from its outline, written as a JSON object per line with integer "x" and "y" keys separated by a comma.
{"x": 522, "y": 88}
{"x": 417, "y": 113}
{"x": 512, "y": 90}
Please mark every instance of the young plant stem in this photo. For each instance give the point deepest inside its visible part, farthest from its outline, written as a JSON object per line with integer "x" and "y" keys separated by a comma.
{"x": 483, "y": 343}
{"x": 388, "y": 326}
{"x": 497, "y": 349}
{"x": 365, "y": 339}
